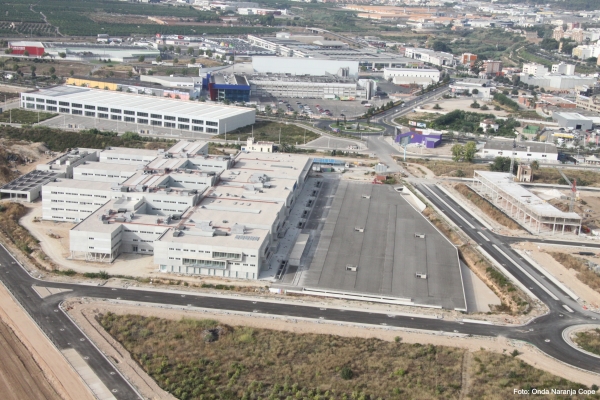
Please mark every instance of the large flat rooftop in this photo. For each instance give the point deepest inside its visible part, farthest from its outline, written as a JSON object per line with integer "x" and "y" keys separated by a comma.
{"x": 147, "y": 103}
{"x": 373, "y": 228}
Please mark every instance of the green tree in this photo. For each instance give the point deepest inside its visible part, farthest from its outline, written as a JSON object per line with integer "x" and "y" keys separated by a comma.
{"x": 501, "y": 164}
{"x": 535, "y": 165}
{"x": 141, "y": 58}
{"x": 175, "y": 60}
{"x": 178, "y": 50}
{"x": 268, "y": 110}
{"x": 439, "y": 45}
{"x": 190, "y": 51}
{"x": 158, "y": 58}
{"x": 52, "y": 70}
{"x": 26, "y": 53}
{"x": 437, "y": 107}
{"x": 458, "y": 152}
{"x": 192, "y": 61}
{"x": 549, "y": 44}
{"x": 71, "y": 72}
{"x": 469, "y": 151}
{"x": 62, "y": 55}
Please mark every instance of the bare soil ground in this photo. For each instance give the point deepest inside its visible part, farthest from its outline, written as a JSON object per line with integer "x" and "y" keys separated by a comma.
{"x": 62, "y": 67}
{"x": 20, "y": 376}
{"x": 588, "y": 206}
{"x": 542, "y": 254}
{"x": 449, "y": 168}
{"x": 31, "y": 367}
{"x": 464, "y": 103}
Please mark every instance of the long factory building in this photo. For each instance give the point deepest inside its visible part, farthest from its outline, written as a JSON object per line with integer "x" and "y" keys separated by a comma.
{"x": 194, "y": 213}
{"x": 139, "y": 109}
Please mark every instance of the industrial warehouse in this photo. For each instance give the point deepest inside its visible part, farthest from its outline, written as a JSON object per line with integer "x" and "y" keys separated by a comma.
{"x": 143, "y": 110}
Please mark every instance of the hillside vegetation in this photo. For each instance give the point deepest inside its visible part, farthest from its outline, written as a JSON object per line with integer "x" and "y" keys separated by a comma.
{"x": 58, "y": 140}
{"x": 203, "y": 359}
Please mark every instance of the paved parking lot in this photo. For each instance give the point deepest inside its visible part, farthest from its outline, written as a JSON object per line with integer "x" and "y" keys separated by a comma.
{"x": 337, "y": 107}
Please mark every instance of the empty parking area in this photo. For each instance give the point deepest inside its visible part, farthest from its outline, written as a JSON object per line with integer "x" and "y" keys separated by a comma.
{"x": 375, "y": 243}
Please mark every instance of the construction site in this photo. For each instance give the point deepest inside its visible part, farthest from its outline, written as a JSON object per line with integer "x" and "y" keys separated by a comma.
{"x": 533, "y": 213}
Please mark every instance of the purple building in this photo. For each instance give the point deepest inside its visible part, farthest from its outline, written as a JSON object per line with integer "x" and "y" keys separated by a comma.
{"x": 430, "y": 141}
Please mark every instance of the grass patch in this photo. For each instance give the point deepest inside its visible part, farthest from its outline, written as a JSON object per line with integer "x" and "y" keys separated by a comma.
{"x": 584, "y": 274}
{"x": 268, "y": 131}
{"x": 18, "y": 116}
{"x": 488, "y": 208}
{"x": 203, "y": 359}
{"x": 589, "y": 340}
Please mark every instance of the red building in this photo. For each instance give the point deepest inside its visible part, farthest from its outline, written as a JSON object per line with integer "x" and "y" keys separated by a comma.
{"x": 35, "y": 49}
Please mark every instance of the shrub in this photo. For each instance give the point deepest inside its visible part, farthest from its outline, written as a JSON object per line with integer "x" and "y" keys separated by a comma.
{"x": 346, "y": 373}
{"x": 97, "y": 275}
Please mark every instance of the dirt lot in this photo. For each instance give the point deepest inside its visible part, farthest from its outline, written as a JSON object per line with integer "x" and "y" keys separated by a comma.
{"x": 62, "y": 67}
{"x": 588, "y": 206}
{"x": 570, "y": 277}
{"x": 462, "y": 103}
{"x": 20, "y": 376}
{"x": 31, "y": 367}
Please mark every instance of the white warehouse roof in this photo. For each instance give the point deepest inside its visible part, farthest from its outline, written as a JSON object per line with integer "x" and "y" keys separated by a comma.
{"x": 148, "y": 103}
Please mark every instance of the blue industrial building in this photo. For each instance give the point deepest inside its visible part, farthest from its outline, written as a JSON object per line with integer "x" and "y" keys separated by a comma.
{"x": 234, "y": 88}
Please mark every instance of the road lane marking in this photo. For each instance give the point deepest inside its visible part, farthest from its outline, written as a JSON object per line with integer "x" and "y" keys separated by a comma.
{"x": 483, "y": 236}
{"x": 450, "y": 208}
{"x": 544, "y": 288}
{"x": 566, "y": 307}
